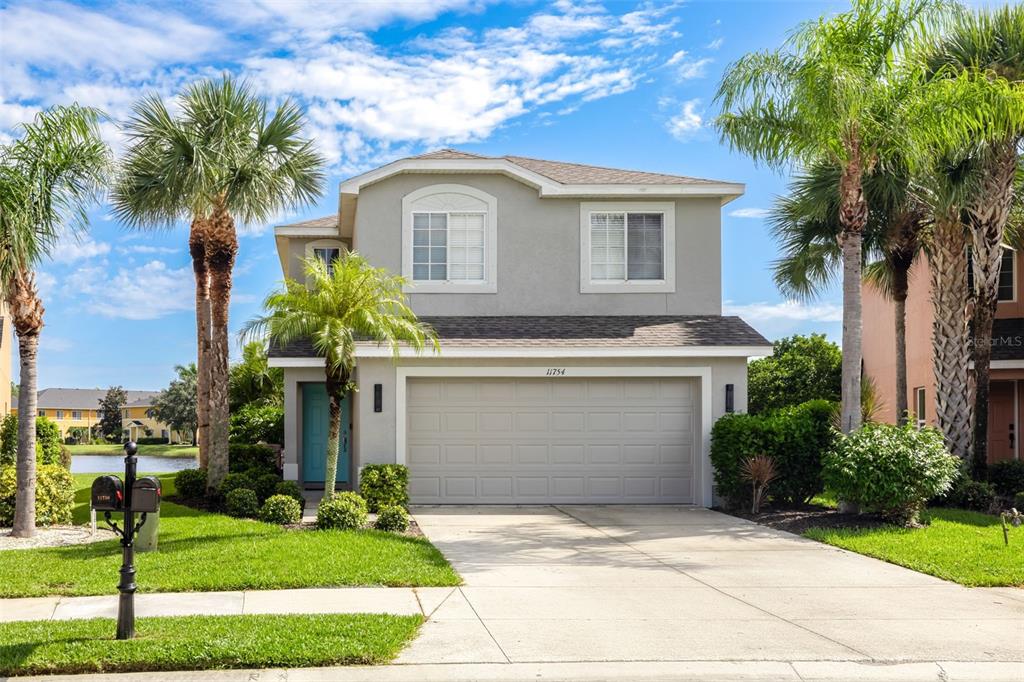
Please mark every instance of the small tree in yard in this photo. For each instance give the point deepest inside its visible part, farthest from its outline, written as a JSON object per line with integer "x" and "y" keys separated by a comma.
{"x": 176, "y": 404}
{"x": 800, "y": 368}
{"x": 111, "y": 406}
{"x": 341, "y": 303}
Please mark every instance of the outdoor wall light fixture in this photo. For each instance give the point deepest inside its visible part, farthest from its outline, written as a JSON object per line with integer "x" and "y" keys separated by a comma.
{"x": 730, "y": 400}
{"x": 378, "y": 398}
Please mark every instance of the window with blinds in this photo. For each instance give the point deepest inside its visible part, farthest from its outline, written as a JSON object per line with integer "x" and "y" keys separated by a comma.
{"x": 448, "y": 247}
{"x": 627, "y": 246}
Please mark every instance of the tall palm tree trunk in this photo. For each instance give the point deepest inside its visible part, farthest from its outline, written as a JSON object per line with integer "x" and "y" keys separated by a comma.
{"x": 335, "y": 394}
{"x": 988, "y": 215}
{"x": 853, "y": 214}
{"x": 950, "y": 334}
{"x": 27, "y": 315}
{"x": 197, "y": 249}
{"x": 900, "y": 285}
{"x": 222, "y": 247}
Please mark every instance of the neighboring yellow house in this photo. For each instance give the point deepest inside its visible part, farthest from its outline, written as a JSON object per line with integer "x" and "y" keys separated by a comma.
{"x": 6, "y": 348}
{"x": 72, "y": 408}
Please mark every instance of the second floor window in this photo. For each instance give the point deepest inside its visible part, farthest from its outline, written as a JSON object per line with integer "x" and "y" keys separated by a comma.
{"x": 1007, "y": 289}
{"x": 328, "y": 256}
{"x": 448, "y": 247}
{"x": 42, "y": 413}
{"x": 60, "y": 414}
{"x": 76, "y": 414}
{"x": 627, "y": 246}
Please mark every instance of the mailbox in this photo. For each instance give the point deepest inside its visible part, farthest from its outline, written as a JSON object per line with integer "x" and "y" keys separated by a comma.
{"x": 107, "y": 494}
{"x": 146, "y": 495}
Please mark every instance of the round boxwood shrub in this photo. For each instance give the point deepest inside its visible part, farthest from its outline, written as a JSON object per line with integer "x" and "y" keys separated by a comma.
{"x": 392, "y": 517}
{"x": 266, "y": 485}
{"x": 190, "y": 483}
{"x": 890, "y": 469}
{"x": 345, "y": 511}
{"x": 280, "y": 509}
{"x": 292, "y": 490}
{"x": 234, "y": 482}
{"x": 1007, "y": 477}
{"x": 242, "y": 502}
{"x": 55, "y": 495}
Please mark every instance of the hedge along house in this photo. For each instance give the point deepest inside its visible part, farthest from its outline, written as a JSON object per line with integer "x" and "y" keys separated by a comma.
{"x": 584, "y": 354}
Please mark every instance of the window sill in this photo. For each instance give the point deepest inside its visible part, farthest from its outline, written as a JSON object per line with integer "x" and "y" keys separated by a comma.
{"x": 635, "y": 287}
{"x": 451, "y": 288}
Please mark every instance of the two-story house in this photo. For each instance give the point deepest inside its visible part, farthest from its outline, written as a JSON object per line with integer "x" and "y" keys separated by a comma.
{"x": 76, "y": 411}
{"x": 1006, "y": 387}
{"x": 584, "y": 354}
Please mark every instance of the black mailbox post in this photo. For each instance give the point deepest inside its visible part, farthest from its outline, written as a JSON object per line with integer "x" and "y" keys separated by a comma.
{"x": 109, "y": 494}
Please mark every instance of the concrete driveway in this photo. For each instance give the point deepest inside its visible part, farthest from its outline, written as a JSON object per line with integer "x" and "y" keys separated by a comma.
{"x": 591, "y": 583}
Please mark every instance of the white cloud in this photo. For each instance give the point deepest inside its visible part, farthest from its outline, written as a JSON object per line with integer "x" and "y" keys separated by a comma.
{"x": 54, "y": 343}
{"x": 716, "y": 43}
{"x": 60, "y": 35}
{"x": 750, "y": 213}
{"x": 146, "y": 249}
{"x": 687, "y": 122}
{"x": 72, "y": 249}
{"x": 792, "y": 311}
{"x": 687, "y": 68}
{"x": 147, "y": 292}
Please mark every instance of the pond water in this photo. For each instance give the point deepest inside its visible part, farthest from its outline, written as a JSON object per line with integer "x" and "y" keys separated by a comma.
{"x": 99, "y": 464}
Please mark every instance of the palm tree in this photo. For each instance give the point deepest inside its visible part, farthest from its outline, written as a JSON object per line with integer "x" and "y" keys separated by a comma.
{"x": 224, "y": 157}
{"x": 826, "y": 97}
{"x": 337, "y": 306}
{"x": 806, "y": 224}
{"x": 48, "y": 177}
{"x": 990, "y": 42}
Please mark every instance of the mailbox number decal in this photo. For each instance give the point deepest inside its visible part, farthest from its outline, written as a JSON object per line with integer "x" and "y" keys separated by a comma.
{"x": 556, "y": 372}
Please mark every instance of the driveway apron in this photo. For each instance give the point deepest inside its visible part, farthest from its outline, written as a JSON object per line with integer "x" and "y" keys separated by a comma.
{"x": 677, "y": 583}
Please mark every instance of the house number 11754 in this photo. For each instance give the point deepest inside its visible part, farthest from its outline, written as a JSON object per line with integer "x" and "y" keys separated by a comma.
{"x": 556, "y": 371}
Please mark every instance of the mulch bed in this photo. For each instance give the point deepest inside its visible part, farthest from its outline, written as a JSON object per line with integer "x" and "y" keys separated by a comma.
{"x": 799, "y": 519}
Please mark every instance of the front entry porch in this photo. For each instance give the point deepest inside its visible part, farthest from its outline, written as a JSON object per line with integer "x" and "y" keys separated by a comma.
{"x": 315, "y": 423}
{"x": 1004, "y": 418}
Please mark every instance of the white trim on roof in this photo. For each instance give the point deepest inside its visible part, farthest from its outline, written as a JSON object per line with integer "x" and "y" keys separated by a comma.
{"x": 546, "y": 186}
{"x": 302, "y": 231}
{"x": 370, "y": 351}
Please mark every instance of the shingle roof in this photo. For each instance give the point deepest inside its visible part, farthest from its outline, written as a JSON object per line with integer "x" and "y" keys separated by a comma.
{"x": 580, "y": 331}
{"x": 86, "y": 398}
{"x": 576, "y": 173}
{"x": 326, "y": 221}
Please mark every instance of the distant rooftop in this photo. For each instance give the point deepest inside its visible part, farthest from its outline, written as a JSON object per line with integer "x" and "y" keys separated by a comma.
{"x": 87, "y": 398}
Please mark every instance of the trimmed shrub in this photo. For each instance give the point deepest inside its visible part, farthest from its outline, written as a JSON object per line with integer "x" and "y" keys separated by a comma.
{"x": 152, "y": 440}
{"x": 1018, "y": 501}
{"x": 393, "y": 518}
{"x": 1007, "y": 477}
{"x": 967, "y": 493}
{"x": 345, "y": 511}
{"x": 796, "y": 438}
{"x": 281, "y": 509}
{"x": 191, "y": 483}
{"x": 234, "y": 482}
{"x": 242, "y": 457}
{"x": 9, "y": 440}
{"x": 242, "y": 502}
{"x": 292, "y": 490}
{"x": 891, "y": 469}
{"x": 49, "y": 444}
{"x": 255, "y": 423}
{"x": 55, "y": 495}
{"x": 384, "y": 485}
{"x": 266, "y": 485}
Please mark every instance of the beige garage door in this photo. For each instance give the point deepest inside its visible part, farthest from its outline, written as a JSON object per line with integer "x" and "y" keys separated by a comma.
{"x": 564, "y": 440}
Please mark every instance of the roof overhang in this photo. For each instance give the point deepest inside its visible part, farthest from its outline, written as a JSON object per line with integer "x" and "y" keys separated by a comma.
{"x": 373, "y": 351}
{"x": 546, "y": 187}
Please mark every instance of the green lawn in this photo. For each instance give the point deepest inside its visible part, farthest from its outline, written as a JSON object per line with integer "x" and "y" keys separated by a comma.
{"x": 147, "y": 450}
{"x": 962, "y": 546}
{"x": 201, "y": 552}
{"x": 203, "y": 642}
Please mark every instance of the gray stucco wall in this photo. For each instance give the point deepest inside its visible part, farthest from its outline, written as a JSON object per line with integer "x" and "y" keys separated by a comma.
{"x": 538, "y": 243}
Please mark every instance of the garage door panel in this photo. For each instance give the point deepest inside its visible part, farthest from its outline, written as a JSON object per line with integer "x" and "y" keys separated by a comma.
{"x": 551, "y": 440}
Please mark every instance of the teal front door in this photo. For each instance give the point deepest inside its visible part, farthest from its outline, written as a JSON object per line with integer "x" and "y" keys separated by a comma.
{"x": 315, "y": 416}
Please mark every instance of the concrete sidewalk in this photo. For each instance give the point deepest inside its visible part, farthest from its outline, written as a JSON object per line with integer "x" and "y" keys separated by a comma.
{"x": 702, "y": 671}
{"x": 394, "y": 600}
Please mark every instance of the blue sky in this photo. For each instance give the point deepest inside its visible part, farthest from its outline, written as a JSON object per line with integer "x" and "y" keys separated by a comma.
{"x": 616, "y": 83}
